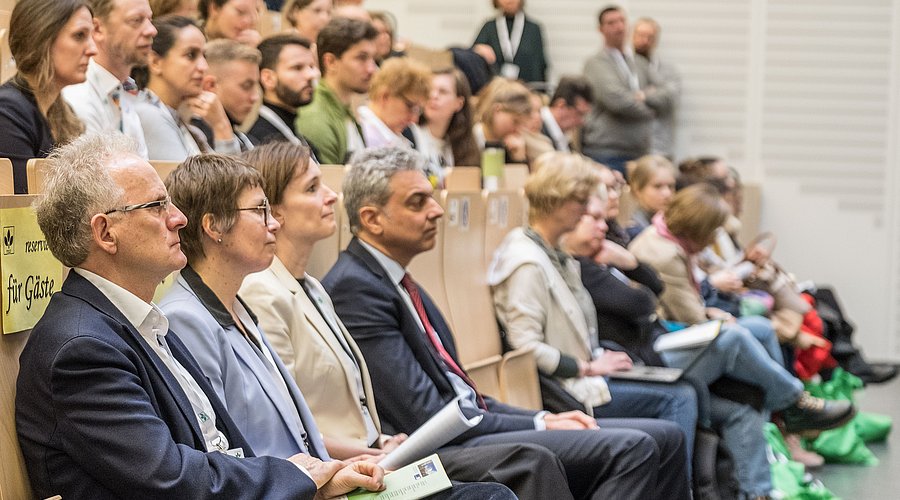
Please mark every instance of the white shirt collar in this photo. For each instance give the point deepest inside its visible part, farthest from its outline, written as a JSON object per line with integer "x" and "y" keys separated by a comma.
{"x": 101, "y": 79}
{"x": 145, "y": 317}
{"x": 394, "y": 269}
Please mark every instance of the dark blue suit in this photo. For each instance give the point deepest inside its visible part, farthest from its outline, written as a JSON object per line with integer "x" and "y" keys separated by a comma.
{"x": 410, "y": 386}
{"x": 99, "y": 415}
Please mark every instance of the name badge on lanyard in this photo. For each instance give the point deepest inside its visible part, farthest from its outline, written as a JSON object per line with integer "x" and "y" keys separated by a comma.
{"x": 509, "y": 43}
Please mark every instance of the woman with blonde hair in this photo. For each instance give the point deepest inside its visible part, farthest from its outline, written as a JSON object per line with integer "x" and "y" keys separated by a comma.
{"x": 504, "y": 106}
{"x": 52, "y": 43}
{"x": 652, "y": 182}
{"x": 543, "y": 306}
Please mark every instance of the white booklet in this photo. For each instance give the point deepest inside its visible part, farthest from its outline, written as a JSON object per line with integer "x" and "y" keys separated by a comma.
{"x": 440, "y": 429}
{"x": 689, "y": 338}
{"x": 417, "y": 480}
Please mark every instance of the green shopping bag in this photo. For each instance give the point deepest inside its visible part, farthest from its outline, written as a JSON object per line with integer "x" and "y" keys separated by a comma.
{"x": 844, "y": 446}
{"x": 872, "y": 427}
{"x": 841, "y": 386}
{"x": 847, "y": 444}
{"x": 789, "y": 477}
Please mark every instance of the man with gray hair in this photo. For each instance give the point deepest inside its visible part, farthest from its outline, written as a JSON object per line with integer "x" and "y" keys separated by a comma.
{"x": 109, "y": 403}
{"x": 411, "y": 354}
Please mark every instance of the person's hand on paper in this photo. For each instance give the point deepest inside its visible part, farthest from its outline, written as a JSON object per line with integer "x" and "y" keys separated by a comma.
{"x": 320, "y": 472}
{"x": 608, "y": 362}
{"x": 364, "y": 475}
{"x": 569, "y": 421}
{"x": 390, "y": 443}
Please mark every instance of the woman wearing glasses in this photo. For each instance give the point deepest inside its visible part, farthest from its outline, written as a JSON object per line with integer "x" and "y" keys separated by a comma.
{"x": 230, "y": 234}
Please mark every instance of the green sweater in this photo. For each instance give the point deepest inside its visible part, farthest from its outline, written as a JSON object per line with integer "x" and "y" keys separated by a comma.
{"x": 324, "y": 124}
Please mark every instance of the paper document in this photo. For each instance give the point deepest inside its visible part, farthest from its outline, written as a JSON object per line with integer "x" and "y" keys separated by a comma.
{"x": 689, "y": 338}
{"x": 417, "y": 480}
{"x": 436, "y": 432}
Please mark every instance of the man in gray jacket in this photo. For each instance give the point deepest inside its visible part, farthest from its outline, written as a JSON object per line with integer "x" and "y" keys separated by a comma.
{"x": 627, "y": 99}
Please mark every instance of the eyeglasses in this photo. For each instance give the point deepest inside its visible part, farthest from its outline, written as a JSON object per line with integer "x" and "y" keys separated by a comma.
{"x": 162, "y": 206}
{"x": 411, "y": 106}
{"x": 265, "y": 208}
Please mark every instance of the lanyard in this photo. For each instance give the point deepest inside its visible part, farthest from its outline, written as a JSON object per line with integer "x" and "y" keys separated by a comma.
{"x": 625, "y": 69}
{"x": 509, "y": 42}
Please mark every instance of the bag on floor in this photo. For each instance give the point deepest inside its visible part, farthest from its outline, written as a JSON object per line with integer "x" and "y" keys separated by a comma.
{"x": 789, "y": 478}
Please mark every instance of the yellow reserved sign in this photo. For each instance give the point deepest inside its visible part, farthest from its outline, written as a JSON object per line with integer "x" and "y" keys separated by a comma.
{"x": 30, "y": 274}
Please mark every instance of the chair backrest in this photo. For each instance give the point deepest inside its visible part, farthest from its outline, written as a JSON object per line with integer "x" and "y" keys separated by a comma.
{"x": 427, "y": 269}
{"x": 13, "y": 477}
{"x": 468, "y": 295}
{"x": 514, "y": 176}
{"x": 7, "y": 185}
{"x": 35, "y": 171}
{"x": 506, "y": 209}
{"x": 462, "y": 178}
{"x": 164, "y": 168}
{"x": 7, "y": 64}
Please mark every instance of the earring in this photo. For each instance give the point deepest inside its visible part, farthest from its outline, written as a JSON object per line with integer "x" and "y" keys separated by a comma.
{"x": 219, "y": 240}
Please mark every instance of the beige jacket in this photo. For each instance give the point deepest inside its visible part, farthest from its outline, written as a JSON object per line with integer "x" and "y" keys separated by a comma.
{"x": 540, "y": 313}
{"x": 680, "y": 301}
{"x": 309, "y": 349}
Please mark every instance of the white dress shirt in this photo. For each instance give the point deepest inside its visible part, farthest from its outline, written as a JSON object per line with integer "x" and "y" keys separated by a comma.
{"x": 152, "y": 325}
{"x": 94, "y": 101}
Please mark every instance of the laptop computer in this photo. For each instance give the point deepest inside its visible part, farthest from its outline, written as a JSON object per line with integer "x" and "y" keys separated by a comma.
{"x": 665, "y": 374}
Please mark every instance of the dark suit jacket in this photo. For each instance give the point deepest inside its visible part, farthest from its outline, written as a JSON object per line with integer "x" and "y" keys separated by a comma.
{"x": 407, "y": 375}
{"x": 99, "y": 415}
{"x": 25, "y": 131}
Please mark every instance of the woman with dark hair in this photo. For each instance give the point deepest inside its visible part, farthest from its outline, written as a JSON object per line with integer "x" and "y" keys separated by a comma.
{"x": 307, "y": 17}
{"x": 187, "y": 8}
{"x": 52, "y": 43}
{"x": 233, "y": 19}
{"x": 180, "y": 119}
{"x": 444, "y": 133}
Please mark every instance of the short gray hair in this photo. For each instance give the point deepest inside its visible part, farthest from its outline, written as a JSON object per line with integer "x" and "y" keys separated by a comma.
{"x": 77, "y": 187}
{"x": 369, "y": 175}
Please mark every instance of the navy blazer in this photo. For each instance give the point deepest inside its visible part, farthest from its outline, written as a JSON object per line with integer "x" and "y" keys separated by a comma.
{"x": 408, "y": 377}
{"x": 99, "y": 415}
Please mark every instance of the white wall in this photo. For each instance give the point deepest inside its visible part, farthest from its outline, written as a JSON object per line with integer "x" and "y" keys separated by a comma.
{"x": 800, "y": 95}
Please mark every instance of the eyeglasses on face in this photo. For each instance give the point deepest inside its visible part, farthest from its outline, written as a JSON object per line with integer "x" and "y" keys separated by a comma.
{"x": 265, "y": 208}
{"x": 162, "y": 206}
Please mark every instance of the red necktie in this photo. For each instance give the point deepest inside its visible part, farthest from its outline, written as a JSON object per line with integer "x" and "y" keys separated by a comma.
{"x": 413, "y": 289}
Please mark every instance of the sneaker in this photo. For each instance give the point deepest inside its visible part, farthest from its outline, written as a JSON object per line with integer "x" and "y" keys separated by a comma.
{"x": 812, "y": 413}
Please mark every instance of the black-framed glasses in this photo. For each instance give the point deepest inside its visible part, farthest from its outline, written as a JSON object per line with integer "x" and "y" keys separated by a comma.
{"x": 265, "y": 208}
{"x": 162, "y": 205}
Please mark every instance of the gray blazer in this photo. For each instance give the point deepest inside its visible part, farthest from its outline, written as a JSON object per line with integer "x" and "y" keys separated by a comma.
{"x": 238, "y": 372}
{"x": 620, "y": 124}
